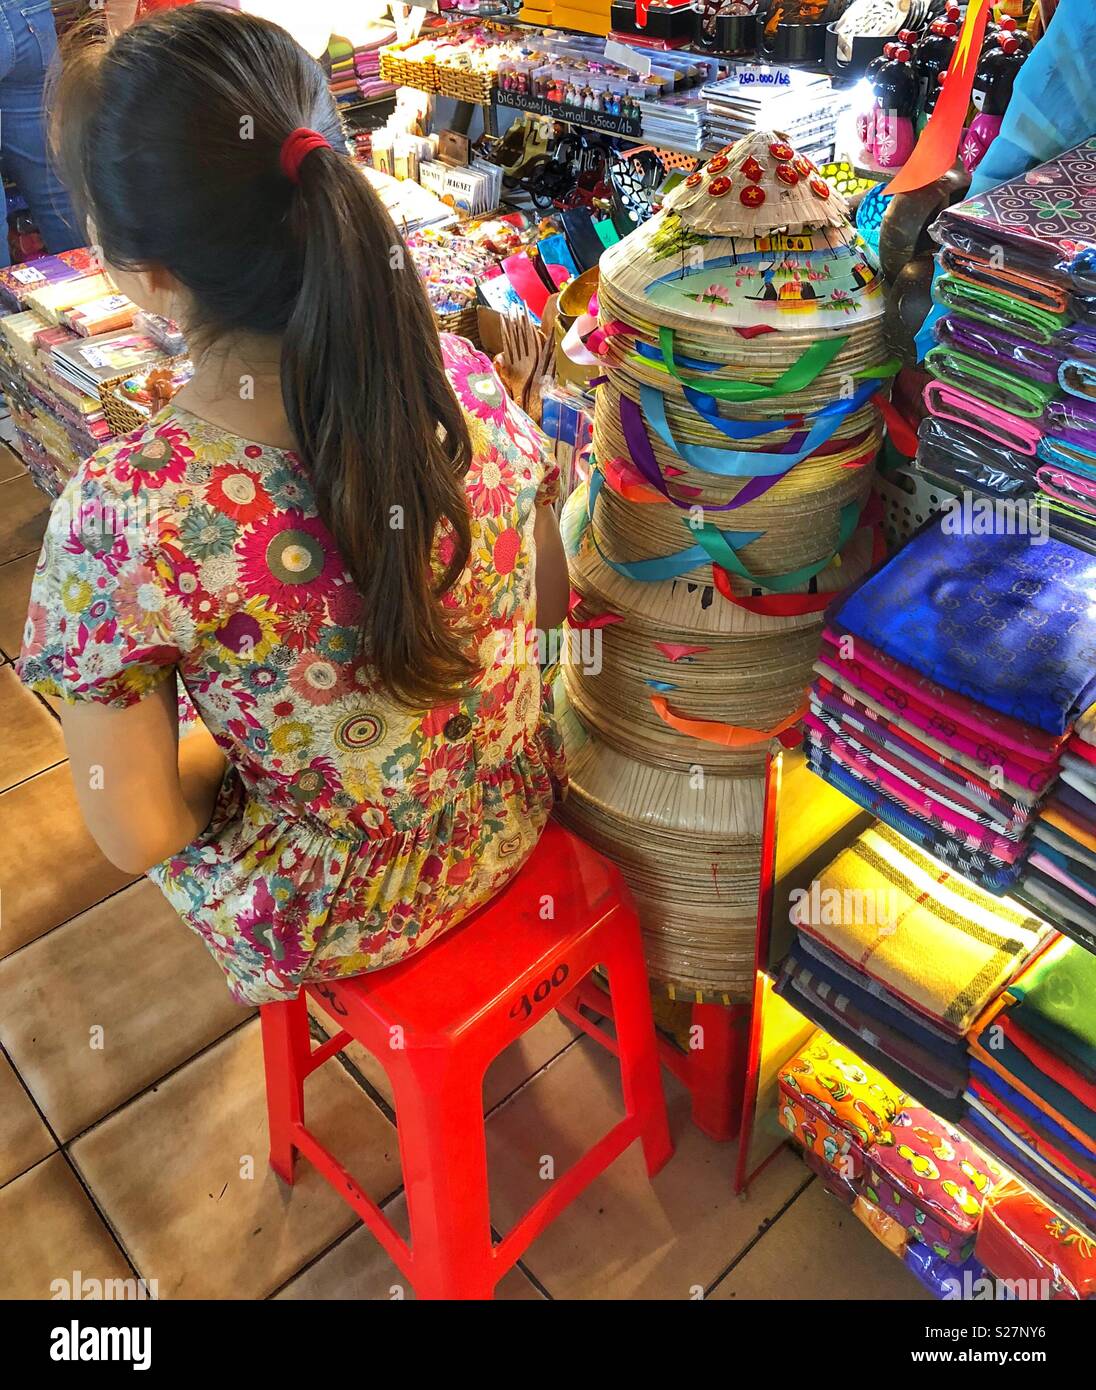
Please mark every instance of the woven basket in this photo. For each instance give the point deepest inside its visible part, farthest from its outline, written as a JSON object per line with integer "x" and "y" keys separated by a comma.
{"x": 404, "y": 72}
{"x": 464, "y": 323}
{"x": 464, "y": 85}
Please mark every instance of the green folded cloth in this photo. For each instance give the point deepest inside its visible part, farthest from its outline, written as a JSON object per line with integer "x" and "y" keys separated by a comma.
{"x": 1002, "y": 310}
{"x": 1056, "y": 1003}
{"x": 1017, "y": 394}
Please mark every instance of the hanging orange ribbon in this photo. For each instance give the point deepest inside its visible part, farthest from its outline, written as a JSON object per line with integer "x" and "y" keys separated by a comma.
{"x": 728, "y": 735}
{"x": 934, "y": 153}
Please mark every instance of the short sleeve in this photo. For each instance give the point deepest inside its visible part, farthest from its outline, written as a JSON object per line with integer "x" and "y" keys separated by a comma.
{"x": 483, "y": 395}
{"x": 101, "y": 627}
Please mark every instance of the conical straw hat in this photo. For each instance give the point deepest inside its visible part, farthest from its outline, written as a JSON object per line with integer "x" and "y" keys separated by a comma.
{"x": 689, "y": 845}
{"x": 689, "y": 610}
{"x": 817, "y": 281}
{"x": 757, "y": 185}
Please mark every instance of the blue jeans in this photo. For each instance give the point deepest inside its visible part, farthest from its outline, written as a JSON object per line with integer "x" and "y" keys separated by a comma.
{"x": 28, "y": 44}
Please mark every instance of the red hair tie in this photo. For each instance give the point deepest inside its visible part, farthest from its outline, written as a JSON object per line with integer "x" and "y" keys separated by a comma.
{"x": 298, "y": 145}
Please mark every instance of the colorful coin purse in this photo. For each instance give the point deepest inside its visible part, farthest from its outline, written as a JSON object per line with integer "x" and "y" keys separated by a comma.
{"x": 932, "y": 1180}
{"x": 834, "y": 1105}
{"x": 1022, "y": 1238}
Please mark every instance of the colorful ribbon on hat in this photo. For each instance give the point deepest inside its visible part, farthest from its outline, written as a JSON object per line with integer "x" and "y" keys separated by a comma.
{"x": 717, "y": 547}
{"x": 771, "y": 605}
{"x": 643, "y": 457}
{"x": 661, "y": 567}
{"x": 732, "y": 463}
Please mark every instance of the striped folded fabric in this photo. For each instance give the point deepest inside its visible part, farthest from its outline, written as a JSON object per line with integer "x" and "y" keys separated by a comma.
{"x": 934, "y": 940}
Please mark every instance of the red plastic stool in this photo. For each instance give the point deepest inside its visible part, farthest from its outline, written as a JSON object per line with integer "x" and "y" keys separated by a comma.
{"x": 438, "y": 1020}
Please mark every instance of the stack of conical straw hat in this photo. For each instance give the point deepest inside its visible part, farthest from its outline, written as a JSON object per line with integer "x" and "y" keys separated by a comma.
{"x": 734, "y": 442}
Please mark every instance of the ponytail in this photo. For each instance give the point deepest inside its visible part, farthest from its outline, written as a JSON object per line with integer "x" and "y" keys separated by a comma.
{"x": 380, "y": 430}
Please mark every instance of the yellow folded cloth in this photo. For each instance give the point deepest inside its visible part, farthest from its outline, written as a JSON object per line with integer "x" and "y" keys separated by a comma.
{"x": 920, "y": 929}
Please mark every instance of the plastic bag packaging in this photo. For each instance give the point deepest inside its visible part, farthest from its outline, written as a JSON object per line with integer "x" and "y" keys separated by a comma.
{"x": 990, "y": 274}
{"x": 953, "y": 453}
{"x": 1022, "y": 1238}
{"x": 1000, "y": 310}
{"x": 1072, "y": 420}
{"x": 989, "y": 382}
{"x": 999, "y": 426}
{"x": 1004, "y": 349}
{"x": 946, "y": 1281}
{"x": 1078, "y": 378}
{"x": 1068, "y": 489}
{"x": 883, "y": 1227}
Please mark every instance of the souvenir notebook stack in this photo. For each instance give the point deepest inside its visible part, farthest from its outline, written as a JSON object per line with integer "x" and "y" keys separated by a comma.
{"x": 1012, "y": 409}
{"x": 734, "y": 441}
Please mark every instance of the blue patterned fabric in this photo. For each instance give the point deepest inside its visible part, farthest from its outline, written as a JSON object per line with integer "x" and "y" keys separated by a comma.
{"x": 1008, "y": 621}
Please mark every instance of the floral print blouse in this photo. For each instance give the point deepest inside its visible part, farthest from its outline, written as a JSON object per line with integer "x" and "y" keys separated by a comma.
{"x": 349, "y": 830}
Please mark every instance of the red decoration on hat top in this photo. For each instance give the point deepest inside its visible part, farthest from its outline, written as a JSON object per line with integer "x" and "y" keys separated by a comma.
{"x": 752, "y": 196}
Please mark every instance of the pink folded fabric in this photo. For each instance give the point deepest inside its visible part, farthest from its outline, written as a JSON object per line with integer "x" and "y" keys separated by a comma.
{"x": 1031, "y": 745}
{"x": 955, "y": 826}
{"x": 985, "y": 753}
{"x": 948, "y": 403}
{"x": 1074, "y": 885}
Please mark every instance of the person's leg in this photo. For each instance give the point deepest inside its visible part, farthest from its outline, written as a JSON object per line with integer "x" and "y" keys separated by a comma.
{"x": 7, "y": 62}
{"x": 33, "y": 40}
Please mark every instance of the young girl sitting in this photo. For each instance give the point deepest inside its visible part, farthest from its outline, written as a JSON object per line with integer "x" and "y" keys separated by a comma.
{"x": 331, "y": 535}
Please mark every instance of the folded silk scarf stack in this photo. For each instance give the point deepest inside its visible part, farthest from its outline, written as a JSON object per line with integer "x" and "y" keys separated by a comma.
{"x": 1060, "y": 870}
{"x": 355, "y": 71}
{"x": 947, "y": 685}
{"x": 1012, "y": 407}
{"x": 1031, "y": 1099}
{"x": 897, "y": 955}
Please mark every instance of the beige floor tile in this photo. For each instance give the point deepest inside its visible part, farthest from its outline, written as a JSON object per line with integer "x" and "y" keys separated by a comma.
{"x": 11, "y": 465}
{"x": 51, "y": 1231}
{"x": 24, "y": 1139}
{"x": 32, "y": 737}
{"x": 24, "y": 510}
{"x": 15, "y": 582}
{"x": 625, "y": 1237}
{"x": 508, "y": 1071}
{"x": 358, "y": 1268}
{"x": 819, "y": 1250}
{"x": 50, "y": 868}
{"x": 169, "y": 1170}
{"x": 100, "y": 1008}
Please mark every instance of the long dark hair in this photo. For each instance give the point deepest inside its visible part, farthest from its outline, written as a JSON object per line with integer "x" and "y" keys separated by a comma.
{"x": 170, "y": 138}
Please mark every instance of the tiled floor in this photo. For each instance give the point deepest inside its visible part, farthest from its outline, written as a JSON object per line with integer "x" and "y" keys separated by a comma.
{"x": 132, "y": 1126}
